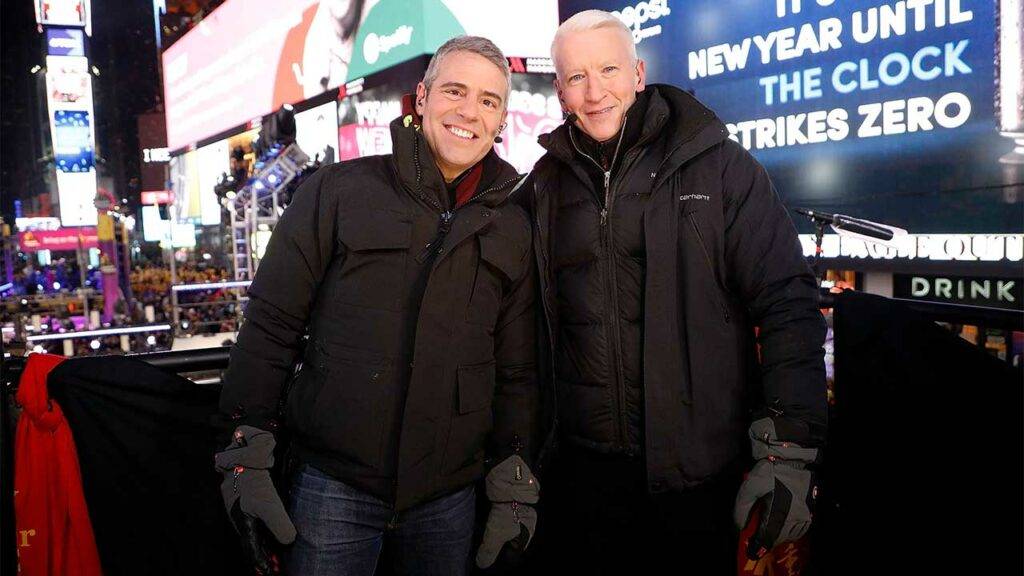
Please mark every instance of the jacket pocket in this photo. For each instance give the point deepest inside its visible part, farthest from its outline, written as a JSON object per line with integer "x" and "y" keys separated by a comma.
{"x": 377, "y": 246}
{"x": 473, "y": 417}
{"x": 498, "y": 266}
{"x": 706, "y": 254}
{"x": 350, "y": 410}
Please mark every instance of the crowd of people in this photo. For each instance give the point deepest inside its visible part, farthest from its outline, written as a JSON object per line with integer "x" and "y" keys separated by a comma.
{"x": 200, "y": 311}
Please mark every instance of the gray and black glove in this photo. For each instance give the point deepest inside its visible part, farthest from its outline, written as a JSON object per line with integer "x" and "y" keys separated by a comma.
{"x": 783, "y": 479}
{"x": 254, "y": 506}
{"x": 512, "y": 490}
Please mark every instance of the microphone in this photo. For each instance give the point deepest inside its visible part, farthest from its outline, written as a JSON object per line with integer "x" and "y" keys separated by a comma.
{"x": 842, "y": 223}
{"x": 572, "y": 117}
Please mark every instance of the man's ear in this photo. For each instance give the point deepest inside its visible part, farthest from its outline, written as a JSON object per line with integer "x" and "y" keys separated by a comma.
{"x": 561, "y": 96}
{"x": 641, "y": 75}
{"x": 421, "y": 97}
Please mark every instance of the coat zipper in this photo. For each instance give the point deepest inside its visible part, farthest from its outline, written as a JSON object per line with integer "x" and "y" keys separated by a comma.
{"x": 447, "y": 216}
{"x": 606, "y": 240}
{"x": 711, "y": 268}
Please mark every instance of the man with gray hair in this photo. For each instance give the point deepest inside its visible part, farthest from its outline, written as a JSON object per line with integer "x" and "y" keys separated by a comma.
{"x": 411, "y": 276}
{"x": 661, "y": 245}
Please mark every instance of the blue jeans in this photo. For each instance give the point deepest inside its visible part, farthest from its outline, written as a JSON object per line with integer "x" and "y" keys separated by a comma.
{"x": 341, "y": 530}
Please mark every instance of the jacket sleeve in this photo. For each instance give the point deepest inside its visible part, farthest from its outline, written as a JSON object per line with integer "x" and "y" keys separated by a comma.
{"x": 767, "y": 267}
{"x": 281, "y": 298}
{"x": 517, "y": 392}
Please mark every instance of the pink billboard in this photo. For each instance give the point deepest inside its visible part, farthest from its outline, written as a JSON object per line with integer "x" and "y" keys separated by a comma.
{"x": 63, "y": 239}
{"x": 249, "y": 58}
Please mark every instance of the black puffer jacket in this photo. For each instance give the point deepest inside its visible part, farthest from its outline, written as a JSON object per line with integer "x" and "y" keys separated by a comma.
{"x": 720, "y": 256}
{"x": 421, "y": 326}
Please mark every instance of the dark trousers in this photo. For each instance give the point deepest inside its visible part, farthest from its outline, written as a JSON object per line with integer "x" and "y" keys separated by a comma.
{"x": 598, "y": 518}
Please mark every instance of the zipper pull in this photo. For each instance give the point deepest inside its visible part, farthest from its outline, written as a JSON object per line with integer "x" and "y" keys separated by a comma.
{"x": 443, "y": 227}
{"x": 604, "y": 216}
{"x": 607, "y": 179}
{"x": 446, "y": 221}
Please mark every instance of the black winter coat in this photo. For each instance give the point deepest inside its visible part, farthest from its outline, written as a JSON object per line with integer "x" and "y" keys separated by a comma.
{"x": 721, "y": 257}
{"x": 421, "y": 356}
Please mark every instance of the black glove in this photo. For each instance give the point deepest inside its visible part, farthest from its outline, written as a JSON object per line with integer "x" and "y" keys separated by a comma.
{"x": 782, "y": 480}
{"x": 252, "y": 503}
{"x": 511, "y": 488}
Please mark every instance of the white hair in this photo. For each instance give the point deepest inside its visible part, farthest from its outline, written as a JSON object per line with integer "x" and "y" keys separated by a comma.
{"x": 592, "y": 20}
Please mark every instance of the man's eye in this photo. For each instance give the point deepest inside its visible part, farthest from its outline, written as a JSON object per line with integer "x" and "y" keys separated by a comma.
{"x": 576, "y": 78}
{"x": 490, "y": 103}
{"x": 452, "y": 91}
{"x": 610, "y": 69}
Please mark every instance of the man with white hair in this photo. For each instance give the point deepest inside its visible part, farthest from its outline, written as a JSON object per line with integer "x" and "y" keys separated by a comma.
{"x": 661, "y": 245}
{"x": 412, "y": 276}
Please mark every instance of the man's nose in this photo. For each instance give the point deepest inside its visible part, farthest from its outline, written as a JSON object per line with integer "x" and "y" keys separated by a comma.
{"x": 468, "y": 109}
{"x": 595, "y": 89}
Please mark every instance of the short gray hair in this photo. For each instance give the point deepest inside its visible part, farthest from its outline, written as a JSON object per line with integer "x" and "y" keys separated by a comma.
{"x": 474, "y": 45}
{"x": 592, "y": 20}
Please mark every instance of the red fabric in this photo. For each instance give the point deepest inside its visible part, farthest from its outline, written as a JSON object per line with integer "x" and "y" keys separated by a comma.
{"x": 467, "y": 187}
{"x": 52, "y": 521}
{"x": 787, "y": 559}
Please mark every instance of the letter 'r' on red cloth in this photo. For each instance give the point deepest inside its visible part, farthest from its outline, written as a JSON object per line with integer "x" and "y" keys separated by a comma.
{"x": 54, "y": 534}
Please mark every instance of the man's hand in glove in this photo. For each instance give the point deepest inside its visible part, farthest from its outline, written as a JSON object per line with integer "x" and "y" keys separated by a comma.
{"x": 254, "y": 506}
{"x": 512, "y": 489}
{"x": 781, "y": 478}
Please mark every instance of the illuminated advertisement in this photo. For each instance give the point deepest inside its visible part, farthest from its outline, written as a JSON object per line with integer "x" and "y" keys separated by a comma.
{"x": 76, "y": 192}
{"x": 316, "y": 132}
{"x": 215, "y": 77}
{"x": 886, "y": 110}
{"x": 155, "y": 229}
{"x": 62, "y": 239}
{"x": 68, "y": 83}
{"x": 65, "y": 42}
{"x": 211, "y": 165}
{"x": 533, "y": 109}
{"x": 69, "y": 99}
{"x": 64, "y": 13}
{"x": 72, "y": 143}
{"x": 364, "y": 121}
{"x": 185, "y": 182}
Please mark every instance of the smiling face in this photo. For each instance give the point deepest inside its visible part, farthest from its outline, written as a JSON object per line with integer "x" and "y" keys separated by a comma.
{"x": 463, "y": 111}
{"x": 597, "y": 79}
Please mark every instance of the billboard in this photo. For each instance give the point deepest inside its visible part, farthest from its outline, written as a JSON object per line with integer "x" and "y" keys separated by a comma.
{"x": 364, "y": 119}
{"x": 215, "y": 76}
{"x": 72, "y": 142}
{"x": 155, "y": 229}
{"x": 69, "y": 100}
{"x": 65, "y": 42}
{"x": 211, "y": 165}
{"x": 882, "y": 110}
{"x": 64, "y": 13}
{"x": 533, "y": 109}
{"x": 62, "y": 239}
{"x": 316, "y": 132}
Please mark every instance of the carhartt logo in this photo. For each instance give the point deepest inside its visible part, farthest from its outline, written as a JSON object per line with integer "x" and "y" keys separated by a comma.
{"x": 686, "y": 197}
